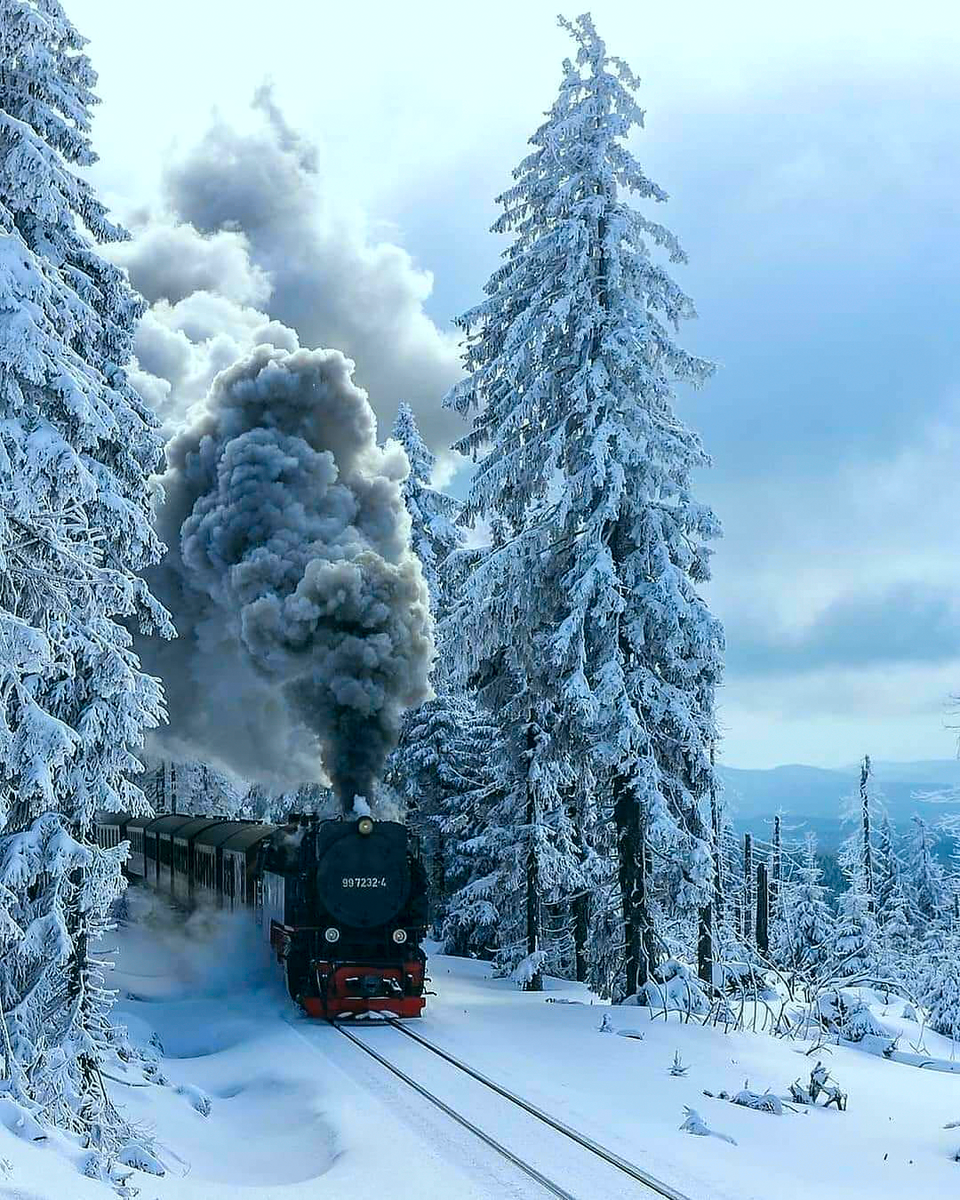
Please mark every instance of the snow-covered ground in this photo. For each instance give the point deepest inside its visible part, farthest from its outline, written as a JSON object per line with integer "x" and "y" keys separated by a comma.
{"x": 262, "y": 1103}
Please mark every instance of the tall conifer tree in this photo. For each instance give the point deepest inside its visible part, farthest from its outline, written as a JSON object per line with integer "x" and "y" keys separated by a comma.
{"x": 76, "y": 447}
{"x": 599, "y": 544}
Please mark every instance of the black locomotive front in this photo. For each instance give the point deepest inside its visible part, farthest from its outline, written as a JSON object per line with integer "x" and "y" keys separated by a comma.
{"x": 345, "y": 909}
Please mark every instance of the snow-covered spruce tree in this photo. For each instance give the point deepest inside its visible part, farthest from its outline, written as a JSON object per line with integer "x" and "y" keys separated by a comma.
{"x": 858, "y": 853}
{"x": 804, "y": 935}
{"x": 584, "y": 472}
{"x": 434, "y": 535}
{"x": 526, "y": 834}
{"x": 940, "y": 991}
{"x": 433, "y": 514}
{"x": 896, "y": 939}
{"x": 424, "y": 767}
{"x": 856, "y": 949}
{"x": 76, "y": 448}
{"x": 457, "y": 766}
{"x": 888, "y": 871}
{"x": 210, "y": 791}
{"x": 924, "y": 877}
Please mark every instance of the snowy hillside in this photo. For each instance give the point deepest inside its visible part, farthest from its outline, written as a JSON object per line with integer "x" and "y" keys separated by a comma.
{"x": 254, "y": 1096}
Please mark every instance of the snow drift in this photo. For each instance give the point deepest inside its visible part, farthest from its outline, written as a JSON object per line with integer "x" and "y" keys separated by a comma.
{"x": 302, "y": 612}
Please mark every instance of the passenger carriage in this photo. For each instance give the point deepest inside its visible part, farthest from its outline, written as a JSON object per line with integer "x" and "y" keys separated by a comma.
{"x": 159, "y": 846}
{"x": 208, "y": 860}
{"x": 183, "y": 856}
{"x": 136, "y": 864}
{"x": 239, "y": 868}
{"x": 112, "y": 829}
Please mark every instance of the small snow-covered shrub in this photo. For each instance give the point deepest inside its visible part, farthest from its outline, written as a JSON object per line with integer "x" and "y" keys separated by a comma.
{"x": 138, "y": 1156}
{"x": 741, "y": 978}
{"x": 695, "y": 1124}
{"x": 678, "y": 1067}
{"x": 761, "y": 1101}
{"x": 529, "y": 967}
{"x": 96, "y": 1166}
{"x": 196, "y": 1098}
{"x": 20, "y": 1120}
{"x": 858, "y": 1022}
{"x": 674, "y": 988}
{"x": 820, "y": 1088}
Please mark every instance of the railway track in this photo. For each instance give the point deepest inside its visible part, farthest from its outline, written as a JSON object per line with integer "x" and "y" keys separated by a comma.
{"x": 650, "y": 1184}
{"x": 537, "y": 1176}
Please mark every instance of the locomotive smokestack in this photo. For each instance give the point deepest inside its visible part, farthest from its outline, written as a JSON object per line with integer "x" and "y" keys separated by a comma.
{"x": 302, "y": 612}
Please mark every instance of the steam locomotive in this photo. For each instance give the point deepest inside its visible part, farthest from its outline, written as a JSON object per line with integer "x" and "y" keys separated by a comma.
{"x": 341, "y": 903}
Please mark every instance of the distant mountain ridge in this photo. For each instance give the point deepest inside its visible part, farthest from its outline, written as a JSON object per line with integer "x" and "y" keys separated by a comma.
{"x": 819, "y": 796}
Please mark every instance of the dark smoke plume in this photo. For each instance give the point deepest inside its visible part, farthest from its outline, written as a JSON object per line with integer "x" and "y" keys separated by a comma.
{"x": 303, "y": 615}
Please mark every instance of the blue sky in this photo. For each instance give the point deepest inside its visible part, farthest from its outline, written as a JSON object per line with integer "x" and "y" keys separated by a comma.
{"x": 812, "y": 162}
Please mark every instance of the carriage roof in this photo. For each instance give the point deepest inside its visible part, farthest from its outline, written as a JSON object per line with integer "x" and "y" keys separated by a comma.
{"x": 245, "y": 839}
{"x": 192, "y": 828}
{"x": 170, "y": 823}
{"x": 216, "y": 835}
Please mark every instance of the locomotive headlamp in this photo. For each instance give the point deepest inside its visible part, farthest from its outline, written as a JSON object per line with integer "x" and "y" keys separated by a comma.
{"x": 365, "y": 826}
{"x": 399, "y": 936}
{"x": 332, "y": 935}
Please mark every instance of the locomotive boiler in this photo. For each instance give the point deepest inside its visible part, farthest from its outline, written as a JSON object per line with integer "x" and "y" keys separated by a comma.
{"x": 342, "y": 903}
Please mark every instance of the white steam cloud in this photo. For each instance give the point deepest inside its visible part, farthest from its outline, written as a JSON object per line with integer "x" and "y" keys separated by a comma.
{"x": 247, "y": 251}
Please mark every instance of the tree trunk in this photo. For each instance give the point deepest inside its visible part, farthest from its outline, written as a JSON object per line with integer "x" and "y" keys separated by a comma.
{"x": 639, "y": 935}
{"x": 867, "y": 848}
{"x": 534, "y": 916}
{"x": 717, "y": 849}
{"x": 747, "y": 886}
{"x": 581, "y": 929}
{"x": 705, "y": 946}
{"x": 439, "y": 883}
{"x": 580, "y": 904}
{"x": 763, "y": 910}
{"x": 77, "y": 982}
{"x": 777, "y": 863}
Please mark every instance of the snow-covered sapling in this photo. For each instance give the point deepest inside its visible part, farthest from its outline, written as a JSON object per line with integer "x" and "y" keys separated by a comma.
{"x": 818, "y": 1087}
{"x": 197, "y": 1099}
{"x": 678, "y": 1067}
{"x": 606, "y": 1025}
{"x": 695, "y": 1124}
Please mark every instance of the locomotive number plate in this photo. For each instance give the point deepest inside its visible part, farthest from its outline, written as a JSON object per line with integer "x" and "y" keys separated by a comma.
{"x": 363, "y": 881}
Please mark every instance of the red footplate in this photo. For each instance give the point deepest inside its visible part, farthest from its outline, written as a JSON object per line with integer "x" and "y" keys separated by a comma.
{"x": 354, "y": 989}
